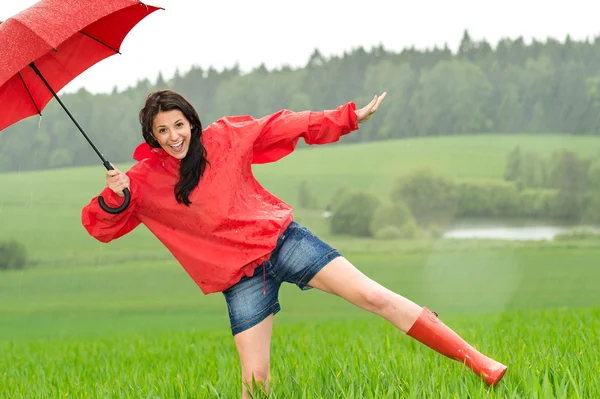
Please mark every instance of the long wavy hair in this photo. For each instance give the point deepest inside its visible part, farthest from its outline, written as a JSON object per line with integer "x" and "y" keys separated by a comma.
{"x": 194, "y": 163}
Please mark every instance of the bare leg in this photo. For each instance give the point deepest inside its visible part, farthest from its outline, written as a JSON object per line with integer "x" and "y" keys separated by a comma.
{"x": 254, "y": 349}
{"x": 341, "y": 278}
{"x": 365, "y": 293}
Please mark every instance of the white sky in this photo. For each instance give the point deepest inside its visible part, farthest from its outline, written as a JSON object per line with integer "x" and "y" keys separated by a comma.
{"x": 223, "y": 32}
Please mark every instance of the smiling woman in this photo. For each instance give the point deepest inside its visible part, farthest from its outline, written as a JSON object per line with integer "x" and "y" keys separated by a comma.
{"x": 234, "y": 237}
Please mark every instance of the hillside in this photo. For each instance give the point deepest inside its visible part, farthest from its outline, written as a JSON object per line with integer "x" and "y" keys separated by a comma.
{"x": 42, "y": 209}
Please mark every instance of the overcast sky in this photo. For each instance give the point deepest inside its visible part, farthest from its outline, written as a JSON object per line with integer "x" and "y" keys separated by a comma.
{"x": 221, "y": 33}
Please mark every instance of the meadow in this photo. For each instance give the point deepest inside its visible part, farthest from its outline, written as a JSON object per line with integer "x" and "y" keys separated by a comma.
{"x": 89, "y": 320}
{"x": 42, "y": 209}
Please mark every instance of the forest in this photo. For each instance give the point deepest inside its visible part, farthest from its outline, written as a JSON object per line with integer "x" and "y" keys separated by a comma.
{"x": 550, "y": 86}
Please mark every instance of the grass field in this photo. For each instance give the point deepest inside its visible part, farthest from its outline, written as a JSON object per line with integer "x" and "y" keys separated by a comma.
{"x": 124, "y": 320}
{"x": 144, "y": 330}
{"x": 344, "y": 359}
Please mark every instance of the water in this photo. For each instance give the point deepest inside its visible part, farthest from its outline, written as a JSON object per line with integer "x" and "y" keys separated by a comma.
{"x": 499, "y": 232}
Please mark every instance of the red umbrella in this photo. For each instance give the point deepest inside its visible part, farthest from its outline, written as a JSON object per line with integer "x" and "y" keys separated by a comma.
{"x": 49, "y": 44}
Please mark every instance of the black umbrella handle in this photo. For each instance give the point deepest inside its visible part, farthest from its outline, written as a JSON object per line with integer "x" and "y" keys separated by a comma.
{"x": 123, "y": 206}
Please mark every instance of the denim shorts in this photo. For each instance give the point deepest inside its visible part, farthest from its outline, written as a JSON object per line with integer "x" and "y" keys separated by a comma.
{"x": 296, "y": 259}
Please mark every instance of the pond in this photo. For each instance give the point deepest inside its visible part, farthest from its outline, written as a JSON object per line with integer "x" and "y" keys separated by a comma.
{"x": 511, "y": 232}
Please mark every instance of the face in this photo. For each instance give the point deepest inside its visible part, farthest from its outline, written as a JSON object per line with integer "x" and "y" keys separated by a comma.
{"x": 173, "y": 132}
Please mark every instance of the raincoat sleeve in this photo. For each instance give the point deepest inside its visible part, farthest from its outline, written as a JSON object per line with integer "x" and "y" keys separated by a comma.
{"x": 106, "y": 227}
{"x": 279, "y": 133}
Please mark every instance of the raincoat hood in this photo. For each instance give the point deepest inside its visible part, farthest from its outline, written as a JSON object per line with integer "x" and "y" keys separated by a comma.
{"x": 144, "y": 151}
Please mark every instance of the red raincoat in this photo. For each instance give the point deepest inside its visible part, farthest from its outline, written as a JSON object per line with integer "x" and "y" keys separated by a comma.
{"x": 233, "y": 223}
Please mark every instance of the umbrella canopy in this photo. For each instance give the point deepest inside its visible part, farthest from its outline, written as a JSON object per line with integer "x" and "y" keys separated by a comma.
{"x": 49, "y": 44}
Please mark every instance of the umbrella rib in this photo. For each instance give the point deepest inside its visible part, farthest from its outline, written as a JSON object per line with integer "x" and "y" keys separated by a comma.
{"x": 100, "y": 41}
{"x": 28, "y": 92}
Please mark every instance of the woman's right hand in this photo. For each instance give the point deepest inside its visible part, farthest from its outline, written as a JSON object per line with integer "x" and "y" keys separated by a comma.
{"x": 117, "y": 181}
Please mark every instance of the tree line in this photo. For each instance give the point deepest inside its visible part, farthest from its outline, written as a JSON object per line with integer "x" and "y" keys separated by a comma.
{"x": 548, "y": 86}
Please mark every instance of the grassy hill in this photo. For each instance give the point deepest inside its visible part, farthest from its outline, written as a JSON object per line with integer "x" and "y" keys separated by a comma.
{"x": 42, "y": 209}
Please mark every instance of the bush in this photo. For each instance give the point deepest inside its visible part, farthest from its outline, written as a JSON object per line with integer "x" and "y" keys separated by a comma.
{"x": 567, "y": 206}
{"x": 593, "y": 177}
{"x": 396, "y": 215}
{"x": 336, "y": 197}
{"x": 431, "y": 198}
{"x": 569, "y": 173}
{"x": 409, "y": 230}
{"x": 12, "y": 255}
{"x": 388, "y": 233}
{"x": 487, "y": 199}
{"x": 537, "y": 204}
{"x": 591, "y": 205}
{"x": 353, "y": 212}
{"x": 493, "y": 199}
{"x": 526, "y": 169}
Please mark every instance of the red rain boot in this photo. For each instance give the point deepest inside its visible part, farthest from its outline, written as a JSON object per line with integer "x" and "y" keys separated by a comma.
{"x": 429, "y": 330}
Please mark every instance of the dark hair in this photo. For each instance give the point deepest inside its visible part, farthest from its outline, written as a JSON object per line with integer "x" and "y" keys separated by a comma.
{"x": 194, "y": 163}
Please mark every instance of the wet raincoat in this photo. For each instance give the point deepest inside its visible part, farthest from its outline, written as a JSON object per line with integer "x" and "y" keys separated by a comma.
{"x": 233, "y": 223}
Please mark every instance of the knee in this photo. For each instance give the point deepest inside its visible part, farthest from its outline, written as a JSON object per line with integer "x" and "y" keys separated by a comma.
{"x": 260, "y": 374}
{"x": 377, "y": 300}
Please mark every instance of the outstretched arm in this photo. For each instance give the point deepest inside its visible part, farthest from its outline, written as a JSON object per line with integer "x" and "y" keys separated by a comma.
{"x": 279, "y": 133}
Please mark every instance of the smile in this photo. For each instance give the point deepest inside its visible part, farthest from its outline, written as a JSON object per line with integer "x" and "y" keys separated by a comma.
{"x": 177, "y": 147}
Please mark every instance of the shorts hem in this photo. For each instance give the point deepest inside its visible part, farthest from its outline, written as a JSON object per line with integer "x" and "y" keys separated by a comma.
{"x": 247, "y": 324}
{"x": 314, "y": 269}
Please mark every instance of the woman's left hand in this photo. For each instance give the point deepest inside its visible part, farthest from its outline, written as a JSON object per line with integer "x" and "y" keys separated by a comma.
{"x": 365, "y": 113}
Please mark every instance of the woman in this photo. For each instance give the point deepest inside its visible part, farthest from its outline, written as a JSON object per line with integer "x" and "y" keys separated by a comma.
{"x": 194, "y": 189}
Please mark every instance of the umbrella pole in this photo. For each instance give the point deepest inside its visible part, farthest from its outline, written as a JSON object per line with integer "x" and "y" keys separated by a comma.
{"x": 37, "y": 71}
{"x": 106, "y": 164}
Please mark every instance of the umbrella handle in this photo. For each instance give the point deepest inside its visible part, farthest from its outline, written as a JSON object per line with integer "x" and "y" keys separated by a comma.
{"x": 120, "y": 208}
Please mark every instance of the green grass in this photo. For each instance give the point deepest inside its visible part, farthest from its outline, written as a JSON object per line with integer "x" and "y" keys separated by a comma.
{"x": 124, "y": 320}
{"x": 352, "y": 359}
{"x": 76, "y": 300}
{"x": 144, "y": 330}
{"x": 470, "y": 278}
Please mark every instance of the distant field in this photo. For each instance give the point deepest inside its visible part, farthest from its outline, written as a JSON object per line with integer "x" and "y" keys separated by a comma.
{"x": 79, "y": 300}
{"x": 44, "y": 207}
{"x": 374, "y": 166}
